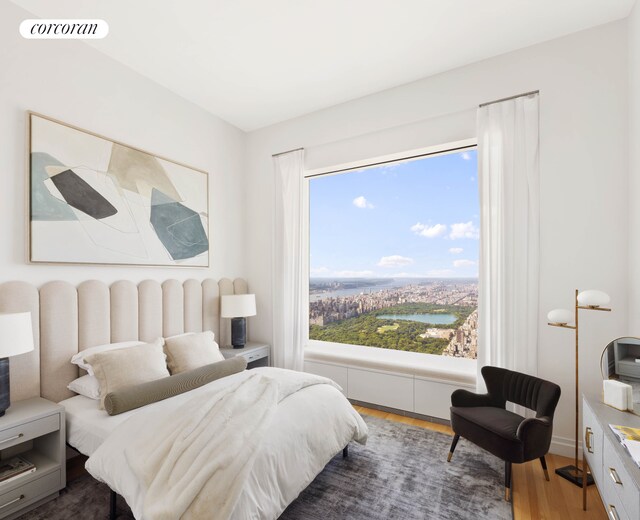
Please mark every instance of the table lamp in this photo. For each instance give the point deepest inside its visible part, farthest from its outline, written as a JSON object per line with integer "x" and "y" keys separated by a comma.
{"x": 238, "y": 307}
{"x": 16, "y": 337}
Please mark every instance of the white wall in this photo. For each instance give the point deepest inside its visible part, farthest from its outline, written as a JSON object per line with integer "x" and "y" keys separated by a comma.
{"x": 584, "y": 154}
{"x": 634, "y": 170}
{"x": 74, "y": 83}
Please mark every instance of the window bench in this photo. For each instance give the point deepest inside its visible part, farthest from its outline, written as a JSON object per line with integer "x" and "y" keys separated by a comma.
{"x": 408, "y": 381}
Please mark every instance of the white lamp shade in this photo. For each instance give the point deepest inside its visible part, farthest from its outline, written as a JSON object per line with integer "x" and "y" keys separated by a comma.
{"x": 238, "y": 305}
{"x": 562, "y": 316}
{"x": 593, "y": 298}
{"x": 16, "y": 334}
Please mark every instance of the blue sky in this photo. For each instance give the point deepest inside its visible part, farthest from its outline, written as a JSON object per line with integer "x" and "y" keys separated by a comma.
{"x": 413, "y": 219}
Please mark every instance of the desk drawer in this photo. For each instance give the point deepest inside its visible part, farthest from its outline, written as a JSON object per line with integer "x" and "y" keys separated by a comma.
{"x": 22, "y": 496}
{"x": 615, "y": 473}
{"x": 592, "y": 444}
{"x": 612, "y": 503}
{"x": 27, "y": 431}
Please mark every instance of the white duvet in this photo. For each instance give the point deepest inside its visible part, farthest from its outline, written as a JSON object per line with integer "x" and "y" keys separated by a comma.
{"x": 282, "y": 427}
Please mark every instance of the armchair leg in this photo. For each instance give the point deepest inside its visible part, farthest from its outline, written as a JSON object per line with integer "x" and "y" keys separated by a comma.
{"x": 454, "y": 443}
{"x": 544, "y": 468}
{"x": 507, "y": 481}
{"x": 112, "y": 505}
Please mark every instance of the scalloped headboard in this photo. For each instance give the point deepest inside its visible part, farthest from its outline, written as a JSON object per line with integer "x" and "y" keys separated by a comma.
{"x": 67, "y": 319}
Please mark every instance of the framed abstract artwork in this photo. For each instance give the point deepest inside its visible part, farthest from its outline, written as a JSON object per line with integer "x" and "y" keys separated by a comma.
{"x": 93, "y": 200}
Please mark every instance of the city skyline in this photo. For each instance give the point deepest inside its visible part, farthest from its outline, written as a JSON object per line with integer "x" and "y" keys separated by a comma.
{"x": 437, "y": 317}
{"x": 414, "y": 219}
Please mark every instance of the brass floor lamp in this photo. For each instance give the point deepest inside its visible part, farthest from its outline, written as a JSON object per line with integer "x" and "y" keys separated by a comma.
{"x": 588, "y": 300}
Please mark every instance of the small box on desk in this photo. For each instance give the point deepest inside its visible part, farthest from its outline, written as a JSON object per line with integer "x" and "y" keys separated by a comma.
{"x": 617, "y": 394}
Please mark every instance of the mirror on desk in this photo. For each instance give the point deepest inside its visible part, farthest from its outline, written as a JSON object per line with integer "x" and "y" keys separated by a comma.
{"x": 620, "y": 361}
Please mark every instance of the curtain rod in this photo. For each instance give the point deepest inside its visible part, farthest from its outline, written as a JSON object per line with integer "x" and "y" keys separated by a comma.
{"x": 382, "y": 163}
{"x": 288, "y": 151}
{"x": 508, "y": 98}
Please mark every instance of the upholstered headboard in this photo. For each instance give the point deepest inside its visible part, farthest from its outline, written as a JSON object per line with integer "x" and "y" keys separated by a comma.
{"x": 67, "y": 319}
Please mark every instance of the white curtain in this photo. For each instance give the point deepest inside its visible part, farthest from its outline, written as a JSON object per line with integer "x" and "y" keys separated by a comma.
{"x": 508, "y": 151}
{"x": 290, "y": 262}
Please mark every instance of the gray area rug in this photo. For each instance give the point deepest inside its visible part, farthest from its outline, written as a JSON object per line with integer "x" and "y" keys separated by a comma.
{"x": 401, "y": 473}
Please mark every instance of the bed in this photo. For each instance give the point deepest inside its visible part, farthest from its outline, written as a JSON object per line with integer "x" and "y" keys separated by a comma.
{"x": 308, "y": 428}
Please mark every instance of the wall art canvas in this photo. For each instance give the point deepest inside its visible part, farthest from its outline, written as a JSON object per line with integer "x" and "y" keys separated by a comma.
{"x": 97, "y": 201}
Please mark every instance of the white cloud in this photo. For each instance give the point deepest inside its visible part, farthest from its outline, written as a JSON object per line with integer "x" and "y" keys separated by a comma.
{"x": 463, "y": 263}
{"x": 389, "y": 168}
{"x": 362, "y": 203}
{"x": 440, "y": 273}
{"x": 353, "y": 274}
{"x": 466, "y": 156}
{"x": 424, "y": 230}
{"x": 317, "y": 271}
{"x": 464, "y": 230}
{"x": 394, "y": 261}
{"x": 455, "y": 250}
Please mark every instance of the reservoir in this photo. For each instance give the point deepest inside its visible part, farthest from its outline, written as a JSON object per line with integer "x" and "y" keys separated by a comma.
{"x": 433, "y": 319}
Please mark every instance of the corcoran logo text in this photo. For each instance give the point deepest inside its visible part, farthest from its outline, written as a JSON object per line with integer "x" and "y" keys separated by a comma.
{"x": 64, "y": 29}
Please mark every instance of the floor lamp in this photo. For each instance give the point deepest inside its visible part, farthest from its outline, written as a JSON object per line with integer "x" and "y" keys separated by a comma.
{"x": 588, "y": 300}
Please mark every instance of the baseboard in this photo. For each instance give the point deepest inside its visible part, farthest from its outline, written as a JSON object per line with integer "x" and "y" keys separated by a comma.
{"x": 403, "y": 413}
{"x": 564, "y": 446}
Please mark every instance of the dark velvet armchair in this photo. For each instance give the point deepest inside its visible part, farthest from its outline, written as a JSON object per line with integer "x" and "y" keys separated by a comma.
{"x": 483, "y": 419}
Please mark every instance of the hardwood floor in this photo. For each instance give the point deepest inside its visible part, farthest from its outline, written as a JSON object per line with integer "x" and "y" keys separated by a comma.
{"x": 533, "y": 497}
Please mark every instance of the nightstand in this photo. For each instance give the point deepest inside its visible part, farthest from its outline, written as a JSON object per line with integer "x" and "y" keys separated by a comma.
{"x": 256, "y": 354}
{"x": 33, "y": 429}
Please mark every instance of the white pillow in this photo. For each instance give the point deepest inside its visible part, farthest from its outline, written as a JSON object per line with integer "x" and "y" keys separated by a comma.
{"x": 87, "y": 386}
{"x": 79, "y": 358}
{"x": 122, "y": 367}
{"x": 190, "y": 351}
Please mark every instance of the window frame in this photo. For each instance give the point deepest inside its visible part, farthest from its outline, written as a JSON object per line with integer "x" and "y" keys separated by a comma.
{"x": 337, "y": 169}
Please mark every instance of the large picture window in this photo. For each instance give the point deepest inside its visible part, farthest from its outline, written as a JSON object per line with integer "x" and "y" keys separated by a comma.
{"x": 394, "y": 255}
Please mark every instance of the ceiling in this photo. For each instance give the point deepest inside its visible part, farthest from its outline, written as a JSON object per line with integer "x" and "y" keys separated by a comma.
{"x": 257, "y": 62}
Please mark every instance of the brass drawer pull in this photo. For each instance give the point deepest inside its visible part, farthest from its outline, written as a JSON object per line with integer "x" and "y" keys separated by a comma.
{"x": 613, "y": 513}
{"x": 587, "y": 439}
{"x": 12, "y": 501}
{"x": 12, "y": 438}
{"x": 615, "y": 477}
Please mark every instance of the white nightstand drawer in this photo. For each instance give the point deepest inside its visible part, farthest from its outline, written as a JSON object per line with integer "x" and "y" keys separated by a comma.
{"x": 29, "y": 430}
{"x": 22, "y": 496}
{"x": 256, "y": 354}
